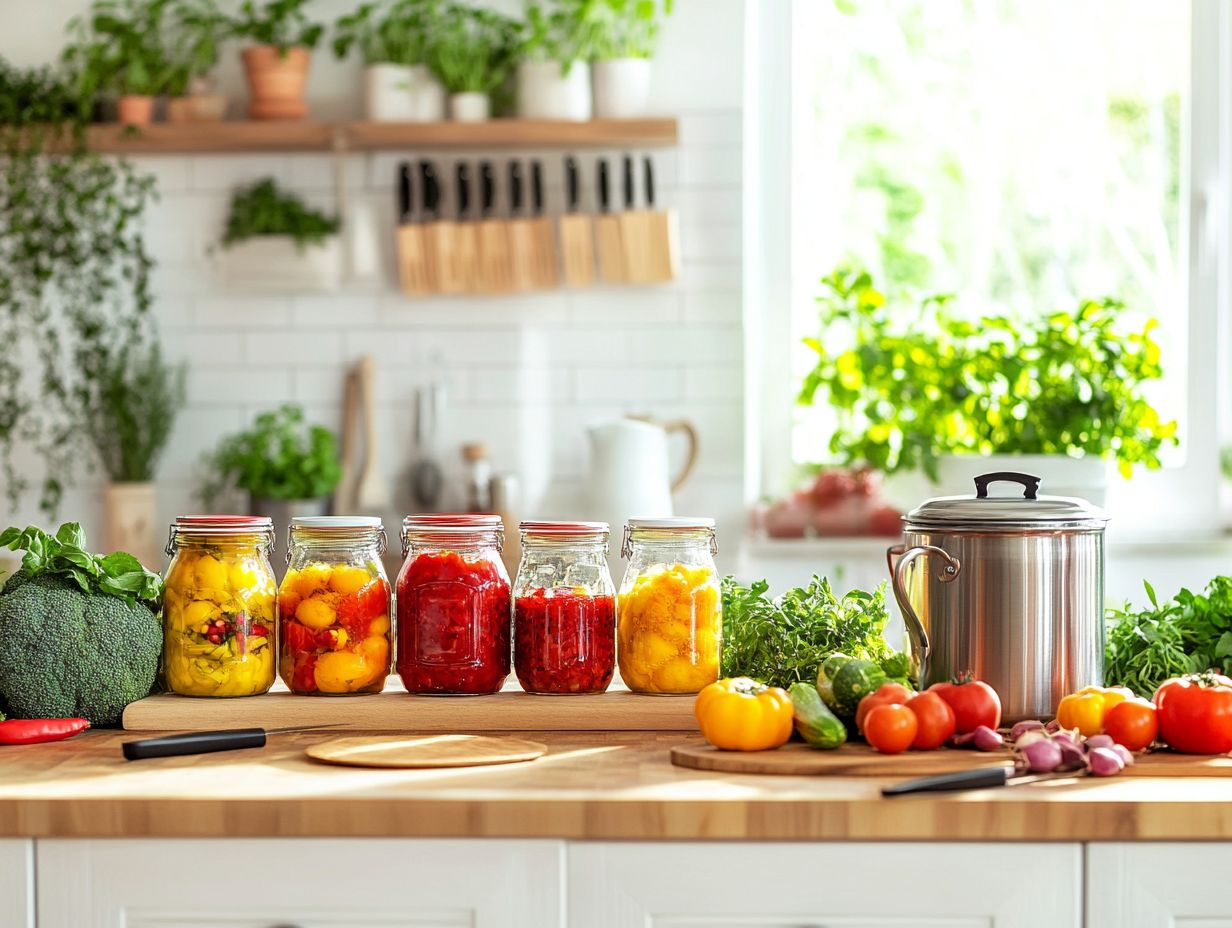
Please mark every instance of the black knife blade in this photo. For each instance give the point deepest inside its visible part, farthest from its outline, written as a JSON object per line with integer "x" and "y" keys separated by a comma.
{"x": 979, "y": 778}
{"x": 406, "y": 209}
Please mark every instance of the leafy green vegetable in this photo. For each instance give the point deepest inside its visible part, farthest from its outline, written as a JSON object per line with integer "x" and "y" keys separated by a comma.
{"x": 263, "y": 209}
{"x": 473, "y": 50}
{"x": 65, "y": 556}
{"x": 785, "y": 640}
{"x": 1190, "y": 634}
{"x": 282, "y": 23}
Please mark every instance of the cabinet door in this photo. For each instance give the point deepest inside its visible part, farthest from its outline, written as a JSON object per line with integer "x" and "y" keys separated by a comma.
{"x": 17, "y": 883}
{"x": 300, "y": 883}
{"x": 857, "y": 885}
{"x": 1159, "y": 885}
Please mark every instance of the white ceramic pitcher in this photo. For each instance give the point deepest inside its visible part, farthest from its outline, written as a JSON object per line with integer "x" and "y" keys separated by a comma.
{"x": 630, "y": 474}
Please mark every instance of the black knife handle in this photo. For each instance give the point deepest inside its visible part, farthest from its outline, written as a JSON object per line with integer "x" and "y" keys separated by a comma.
{"x": 536, "y": 187}
{"x": 464, "y": 189}
{"x": 197, "y": 742}
{"x": 571, "y": 184}
{"x": 405, "y": 206}
{"x": 487, "y": 188}
{"x": 515, "y": 187}
{"x": 979, "y": 778}
{"x": 628, "y": 172}
{"x": 605, "y": 192}
{"x": 648, "y": 181}
{"x": 431, "y": 191}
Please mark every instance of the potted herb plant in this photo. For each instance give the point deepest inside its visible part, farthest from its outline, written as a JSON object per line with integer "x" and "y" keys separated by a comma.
{"x": 553, "y": 80}
{"x": 276, "y": 66}
{"x": 393, "y": 41}
{"x": 197, "y": 29}
{"x": 129, "y": 404}
{"x": 1057, "y": 396}
{"x": 625, "y": 32}
{"x": 473, "y": 52}
{"x": 274, "y": 242}
{"x": 286, "y": 467}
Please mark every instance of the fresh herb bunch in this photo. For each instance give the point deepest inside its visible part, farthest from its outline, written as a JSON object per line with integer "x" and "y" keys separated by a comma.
{"x": 1190, "y": 634}
{"x": 624, "y": 28}
{"x": 65, "y": 555}
{"x": 473, "y": 50}
{"x": 388, "y": 33}
{"x": 281, "y": 23}
{"x": 279, "y": 458}
{"x": 129, "y": 408}
{"x": 76, "y": 272}
{"x": 785, "y": 640}
{"x": 123, "y": 46}
{"x": 196, "y": 31}
{"x": 557, "y": 30}
{"x": 263, "y": 209}
{"x": 909, "y": 386}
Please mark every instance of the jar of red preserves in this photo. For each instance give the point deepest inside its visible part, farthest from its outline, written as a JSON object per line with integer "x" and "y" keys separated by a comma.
{"x": 453, "y": 605}
{"x": 564, "y": 609}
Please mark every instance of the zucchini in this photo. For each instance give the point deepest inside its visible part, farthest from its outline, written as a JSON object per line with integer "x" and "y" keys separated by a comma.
{"x": 853, "y": 681}
{"x": 817, "y": 725}
{"x": 825, "y": 676}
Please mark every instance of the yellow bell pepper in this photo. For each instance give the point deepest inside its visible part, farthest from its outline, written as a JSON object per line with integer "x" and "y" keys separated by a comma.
{"x": 1085, "y": 710}
{"x": 739, "y": 714}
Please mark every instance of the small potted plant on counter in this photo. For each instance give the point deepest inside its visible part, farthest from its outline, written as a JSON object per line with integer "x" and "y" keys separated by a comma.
{"x": 274, "y": 242}
{"x": 473, "y": 52}
{"x": 197, "y": 29}
{"x": 130, "y": 399}
{"x": 286, "y": 467}
{"x": 393, "y": 41}
{"x": 276, "y": 66}
{"x": 625, "y": 32}
{"x": 553, "y": 79}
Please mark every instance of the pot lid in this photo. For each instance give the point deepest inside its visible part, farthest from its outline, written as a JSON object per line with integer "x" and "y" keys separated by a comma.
{"x": 1016, "y": 511}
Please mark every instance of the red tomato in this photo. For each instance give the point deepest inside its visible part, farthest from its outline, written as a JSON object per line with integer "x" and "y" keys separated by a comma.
{"x": 935, "y": 718}
{"x": 297, "y": 638}
{"x": 1195, "y": 713}
{"x": 974, "y": 702}
{"x": 891, "y": 729}
{"x": 1132, "y": 723}
{"x": 888, "y": 694}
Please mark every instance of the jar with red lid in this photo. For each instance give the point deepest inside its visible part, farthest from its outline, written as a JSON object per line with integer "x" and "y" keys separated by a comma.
{"x": 564, "y": 609}
{"x": 218, "y": 607}
{"x": 453, "y": 605}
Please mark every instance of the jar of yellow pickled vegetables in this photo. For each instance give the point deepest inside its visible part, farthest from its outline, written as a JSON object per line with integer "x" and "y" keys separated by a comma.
{"x": 669, "y": 613}
{"x": 218, "y": 607}
{"x": 334, "y": 607}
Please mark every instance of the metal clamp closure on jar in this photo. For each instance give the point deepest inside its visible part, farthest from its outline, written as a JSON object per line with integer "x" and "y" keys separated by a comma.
{"x": 446, "y": 529}
{"x": 339, "y": 530}
{"x": 671, "y": 530}
{"x": 222, "y": 527}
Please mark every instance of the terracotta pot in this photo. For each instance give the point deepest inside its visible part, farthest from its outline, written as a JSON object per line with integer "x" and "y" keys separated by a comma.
{"x": 210, "y": 107}
{"x": 135, "y": 110}
{"x": 276, "y": 82}
{"x": 130, "y": 522}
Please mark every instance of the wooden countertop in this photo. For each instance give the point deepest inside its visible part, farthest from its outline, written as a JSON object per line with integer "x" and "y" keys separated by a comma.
{"x": 616, "y": 785}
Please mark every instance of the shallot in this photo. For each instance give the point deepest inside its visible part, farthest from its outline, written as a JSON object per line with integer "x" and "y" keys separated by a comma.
{"x": 1100, "y": 741}
{"x": 1126, "y": 755}
{"x": 1104, "y": 762}
{"x": 1042, "y": 756}
{"x": 986, "y": 739}
{"x": 1026, "y": 725}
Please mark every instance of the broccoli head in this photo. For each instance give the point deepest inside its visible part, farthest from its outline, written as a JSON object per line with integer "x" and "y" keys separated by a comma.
{"x": 68, "y": 653}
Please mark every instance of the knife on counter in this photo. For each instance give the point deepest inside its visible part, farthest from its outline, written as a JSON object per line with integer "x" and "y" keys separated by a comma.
{"x": 206, "y": 742}
{"x": 979, "y": 778}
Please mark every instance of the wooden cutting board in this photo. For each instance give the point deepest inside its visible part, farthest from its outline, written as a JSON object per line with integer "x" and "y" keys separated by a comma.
{"x": 859, "y": 760}
{"x": 425, "y": 751}
{"x": 394, "y": 710}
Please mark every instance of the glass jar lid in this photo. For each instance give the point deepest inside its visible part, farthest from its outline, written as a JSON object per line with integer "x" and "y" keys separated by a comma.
{"x": 221, "y": 527}
{"x": 453, "y": 528}
{"x": 322, "y": 531}
{"x": 349, "y": 523}
{"x": 669, "y": 530}
{"x": 564, "y": 533}
{"x": 1030, "y": 510}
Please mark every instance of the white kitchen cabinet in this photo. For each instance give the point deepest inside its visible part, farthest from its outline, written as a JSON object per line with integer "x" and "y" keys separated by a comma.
{"x": 16, "y": 883}
{"x": 800, "y": 885}
{"x": 300, "y": 883}
{"x": 1159, "y": 885}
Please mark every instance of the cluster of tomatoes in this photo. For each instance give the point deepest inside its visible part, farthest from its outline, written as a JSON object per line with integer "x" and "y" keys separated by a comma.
{"x": 894, "y": 718}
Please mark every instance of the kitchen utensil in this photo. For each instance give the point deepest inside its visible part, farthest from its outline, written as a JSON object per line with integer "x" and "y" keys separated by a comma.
{"x": 466, "y": 233}
{"x": 661, "y": 228}
{"x": 521, "y": 234}
{"x": 426, "y": 478}
{"x": 1009, "y": 589}
{"x": 440, "y": 235}
{"x": 413, "y": 270}
{"x": 547, "y": 259}
{"x": 495, "y": 275}
{"x": 980, "y": 778}
{"x": 425, "y": 751}
{"x": 633, "y": 230}
{"x": 851, "y": 760}
{"x": 577, "y": 234}
{"x": 371, "y": 491}
{"x": 630, "y": 474}
{"x": 205, "y": 742}
{"x": 607, "y": 233}
{"x": 344, "y": 495}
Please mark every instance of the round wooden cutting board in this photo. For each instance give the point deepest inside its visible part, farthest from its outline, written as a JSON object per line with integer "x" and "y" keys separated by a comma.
{"x": 425, "y": 751}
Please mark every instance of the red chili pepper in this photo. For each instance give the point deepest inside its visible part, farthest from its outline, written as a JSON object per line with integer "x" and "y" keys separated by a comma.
{"x": 40, "y": 731}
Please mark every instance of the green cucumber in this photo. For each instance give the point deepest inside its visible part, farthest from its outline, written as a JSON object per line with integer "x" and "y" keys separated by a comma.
{"x": 825, "y": 676}
{"x": 817, "y": 725}
{"x": 853, "y": 681}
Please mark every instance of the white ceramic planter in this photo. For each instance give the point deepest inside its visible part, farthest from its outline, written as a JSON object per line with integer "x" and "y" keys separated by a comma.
{"x": 402, "y": 93}
{"x": 427, "y": 95}
{"x": 545, "y": 93}
{"x": 275, "y": 264}
{"x": 621, "y": 87}
{"x": 470, "y": 107}
{"x": 1060, "y": 475}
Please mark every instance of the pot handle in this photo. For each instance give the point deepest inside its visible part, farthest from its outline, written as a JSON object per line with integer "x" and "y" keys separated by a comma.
{"x": 1030, "y": 485}
{"x": 949, "y": 571}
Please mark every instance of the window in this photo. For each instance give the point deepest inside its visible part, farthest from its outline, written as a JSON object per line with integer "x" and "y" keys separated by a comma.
{"x": 1022, "y": 156}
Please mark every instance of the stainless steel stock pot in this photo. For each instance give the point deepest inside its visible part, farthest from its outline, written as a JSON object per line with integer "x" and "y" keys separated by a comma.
{"x": 1010, "y": 589}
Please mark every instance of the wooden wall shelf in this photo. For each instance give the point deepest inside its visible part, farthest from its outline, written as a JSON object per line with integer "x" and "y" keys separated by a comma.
{"x": 252, "y": 136}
